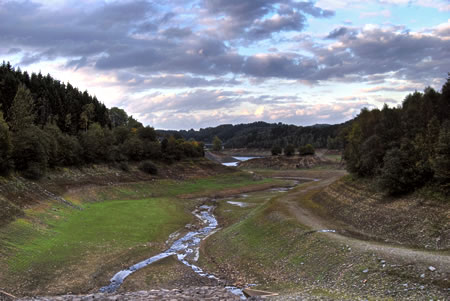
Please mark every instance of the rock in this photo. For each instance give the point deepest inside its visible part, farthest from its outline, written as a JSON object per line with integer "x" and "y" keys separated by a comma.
{"x": 432, "y": 268}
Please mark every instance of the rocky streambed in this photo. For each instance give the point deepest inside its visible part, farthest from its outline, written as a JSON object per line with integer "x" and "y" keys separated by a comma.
{"x": 192, "y": 293}
{"x": 187, "y": 248}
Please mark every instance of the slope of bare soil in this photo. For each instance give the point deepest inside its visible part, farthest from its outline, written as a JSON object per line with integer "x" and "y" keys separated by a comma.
{"x": 410, "y": 220}
{"x": 17, "y": 193}
{"x": 284, "y": 162}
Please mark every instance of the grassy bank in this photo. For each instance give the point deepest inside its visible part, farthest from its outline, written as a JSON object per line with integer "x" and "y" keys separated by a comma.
{"x": 266, "y": 245}
{"x": 55, "y": 248}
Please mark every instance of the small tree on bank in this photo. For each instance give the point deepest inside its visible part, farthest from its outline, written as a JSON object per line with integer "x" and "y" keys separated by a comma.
{"x": 276, "y": 150}
{"x": 289, "y": 150}
{"x": 217, "y": 144}
{"x": 306, "y": 150}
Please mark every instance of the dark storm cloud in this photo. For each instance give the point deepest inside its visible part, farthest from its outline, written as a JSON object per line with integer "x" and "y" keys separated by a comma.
{"x": 337, "y": 33}
{"x": 113, "y": 14}
{"x": 265, "y": 28}
{"x": 308, "y": 7}
{"x": 252, "y": 19}
{"x": 379, "y": 51}
{"x": 147, "y": 39}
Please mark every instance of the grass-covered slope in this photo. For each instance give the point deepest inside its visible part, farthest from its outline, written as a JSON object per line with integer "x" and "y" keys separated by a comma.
{"x": 54, "y": 248}
{"x": 267, "y": 244}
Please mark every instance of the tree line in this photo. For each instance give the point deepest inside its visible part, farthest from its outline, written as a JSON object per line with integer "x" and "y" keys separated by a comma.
{"x": 45, "y": 123}
{"x": 265, "y": 135}
{"x": 406, "y": 147}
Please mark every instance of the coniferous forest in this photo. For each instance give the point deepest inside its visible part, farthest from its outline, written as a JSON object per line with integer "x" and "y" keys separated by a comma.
{"x": 406, "y": 147}
{"x": 45, "y": 123}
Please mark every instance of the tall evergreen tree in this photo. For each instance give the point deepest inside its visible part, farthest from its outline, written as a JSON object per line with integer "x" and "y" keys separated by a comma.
{"x": 5, "y": 146}
{"x": 21, "y": 113}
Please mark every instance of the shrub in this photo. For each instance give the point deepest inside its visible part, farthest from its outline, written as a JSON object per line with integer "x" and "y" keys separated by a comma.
{"x": 35, "y": 171}
{"x": 289, "y": 150}
{"x": 124, "y": 166}
{"x": 148, "y": 167}
{"x": 276, "y": 150}
{"x": 306, "y": 150}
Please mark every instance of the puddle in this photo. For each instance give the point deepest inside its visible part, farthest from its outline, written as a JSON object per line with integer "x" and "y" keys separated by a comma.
{"x": 326, "y": 231}
{"x": 239, "y": 204}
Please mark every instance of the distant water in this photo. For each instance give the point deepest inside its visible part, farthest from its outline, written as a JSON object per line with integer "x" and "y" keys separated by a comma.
{"x": 239, "y": 159}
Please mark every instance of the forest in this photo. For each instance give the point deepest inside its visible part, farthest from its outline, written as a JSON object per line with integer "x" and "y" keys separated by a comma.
{"x": 266, "y": 135}
{"x": 403, "y": 148}
{"x": 45, "y": 123}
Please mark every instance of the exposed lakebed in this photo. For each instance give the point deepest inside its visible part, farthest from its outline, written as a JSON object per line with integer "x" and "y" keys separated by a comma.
{"x": 187, "y": 248}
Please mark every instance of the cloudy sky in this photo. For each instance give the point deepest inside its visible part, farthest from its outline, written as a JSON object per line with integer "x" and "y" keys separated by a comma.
{"x": 180, "y": 64}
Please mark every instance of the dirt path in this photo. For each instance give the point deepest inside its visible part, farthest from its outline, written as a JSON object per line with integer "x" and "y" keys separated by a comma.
{"x": 397, "y": 253}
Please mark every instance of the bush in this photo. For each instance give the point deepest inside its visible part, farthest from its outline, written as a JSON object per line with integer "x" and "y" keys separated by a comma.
{"x": 124, "y": 166}
{"x": 276, "y": 150}
{"x": 289, "y": 150}
{"x": 35, "y": 171}
{"x": 148, "y": 167}
{"x": 306, "y": 150}
{"x": 399, "y": 173}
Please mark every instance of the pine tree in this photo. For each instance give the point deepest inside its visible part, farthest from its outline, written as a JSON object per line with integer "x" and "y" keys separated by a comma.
{"x": 21, "y": 113}
{"x": 217, "y": 144}
{"x": 441, "y": 159}
{"x": 5, "y": 146}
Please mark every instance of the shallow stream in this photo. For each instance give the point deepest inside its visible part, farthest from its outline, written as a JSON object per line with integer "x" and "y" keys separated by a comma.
{"x": 187, "y": 248}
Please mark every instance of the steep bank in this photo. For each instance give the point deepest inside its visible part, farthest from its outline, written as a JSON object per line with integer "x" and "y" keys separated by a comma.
{"x": 18, "y": 193}
{"x": 287, "y": 246}
{"x": 411, "y": 220}
{"x": 76, "y": 241}
{"x": 284, "y": 162}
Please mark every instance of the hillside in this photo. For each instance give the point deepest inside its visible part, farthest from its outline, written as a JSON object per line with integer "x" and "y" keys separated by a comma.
{"x": 412, "y": 220}
{"x": 46, "y": 124}
{"x": 285, "y": 162}
{"x": 265, "y": 135}
{"x": 18, "y": 193}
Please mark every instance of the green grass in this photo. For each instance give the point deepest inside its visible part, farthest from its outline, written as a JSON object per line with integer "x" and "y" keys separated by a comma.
{"x": 118, "y": 223}
{"x": 112, "y": 224}
{"x": 172, "y": 188}
{"x": 334, "y": 158}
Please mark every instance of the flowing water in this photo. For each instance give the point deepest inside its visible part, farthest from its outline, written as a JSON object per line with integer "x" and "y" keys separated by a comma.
{"x": 187, "y": 248}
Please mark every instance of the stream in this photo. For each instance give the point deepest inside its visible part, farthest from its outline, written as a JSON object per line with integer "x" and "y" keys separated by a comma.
{"x": 187, "y": 248}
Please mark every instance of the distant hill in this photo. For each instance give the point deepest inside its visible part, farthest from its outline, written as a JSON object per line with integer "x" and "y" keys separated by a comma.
{"x": 265, "y": 135}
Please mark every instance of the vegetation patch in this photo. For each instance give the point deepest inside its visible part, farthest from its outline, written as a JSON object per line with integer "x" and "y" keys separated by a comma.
{"x": 54, "y": 248}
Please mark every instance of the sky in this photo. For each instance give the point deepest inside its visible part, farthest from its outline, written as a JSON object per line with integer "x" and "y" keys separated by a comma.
{"x": 180, "y": 64}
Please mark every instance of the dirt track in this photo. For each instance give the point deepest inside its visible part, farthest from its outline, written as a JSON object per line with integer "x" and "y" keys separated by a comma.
{"x": 439, "y": 260}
